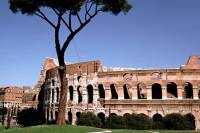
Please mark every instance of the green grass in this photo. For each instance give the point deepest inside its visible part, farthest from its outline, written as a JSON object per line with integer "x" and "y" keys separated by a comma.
{"x": 76, "y": 129}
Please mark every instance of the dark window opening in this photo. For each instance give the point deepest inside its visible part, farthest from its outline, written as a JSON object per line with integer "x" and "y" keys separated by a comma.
{"x": 141, "y": 91}
{"x": 188, "y": 91}
{"x": 101, "y": 91}
{"x": 58, "y": 94}
{"x": 90, "y": 93}
{"x": 126, "y": 92}
{"x": 171, "y": 90}
{"x": 79, "y": 77}
{"x": 113, "y": 92}
{"x": 71, "y": 89}
{"x": 78, "y": 114}
{"x": 52, "y": 96}
{"x": 80, "y": 99}
{"x": 102, "y": 117}
{"x": 53, "y": 82}
{"x": 156, "y": 91}
{"x": 70, "y": 117}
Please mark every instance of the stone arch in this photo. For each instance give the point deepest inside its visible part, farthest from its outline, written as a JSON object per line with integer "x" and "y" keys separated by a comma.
{"x": 79, "y": 78}
{"x": 188, "y": 91}
{"x": 191, "y": 118}
{"x": 157, "y": 117}
{"x": 113, "y": 114}
{"x": 101, "y": 116}
{"x": 101, "y": 91}
{"x": 172, "y": 90}
{"x": 80, "y": 97}
{"x": 126, "y": 92}
{"x": 90, "y": 93}
{"x": 58, "y": 94}
{"x": 70, "y": 117}
{"x": 114, "y": 94}
{"x": 141, "y": 91}
{"x": 156, "y": 91}
{"x": 126, "y": 114}
{"x": 71, "y": 92}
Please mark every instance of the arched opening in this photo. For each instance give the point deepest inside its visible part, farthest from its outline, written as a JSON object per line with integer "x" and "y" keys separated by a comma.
{"x": 56, "y": 114}
{"x": 158, "y": 121}
{"x": 191, "y": 118}
{"x": 58, "y": 94}
{"x": 188, "y": 91}
{"x": 141, "y": 91}
{"x": 114, "y": 94}
{"x": 113, "y": 114}
{"x": 90, "y": 93}
{"x": 199, "y": 94}
{"x": 101, "y": 91}
{"x": 156, "y": 91}
{"x": 80, "y": 98}
{"x": 126, "y": 115}
{"x": 79, "y": 78}
{"x": 70, "y": 117}
{"x": 102, "y": 117}
{"x": 78, "y": 114}
{"x": 71, "y": 89}
{"x": 52, "y": 95}
{"x": 53, "y": 82}
{"x": 171, "y": 90}
{"x": 126, "y": 92}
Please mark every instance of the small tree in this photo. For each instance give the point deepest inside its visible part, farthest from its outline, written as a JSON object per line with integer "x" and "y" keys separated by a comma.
{"x": 114, "y": 122}
{"x": 83, "y": 11}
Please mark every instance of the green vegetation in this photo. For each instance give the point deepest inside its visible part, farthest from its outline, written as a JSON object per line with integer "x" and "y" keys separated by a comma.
{"x": 77, "y": 129}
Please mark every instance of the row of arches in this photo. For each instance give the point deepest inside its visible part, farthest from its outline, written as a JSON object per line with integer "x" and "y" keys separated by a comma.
{"x": 156, "y": 91}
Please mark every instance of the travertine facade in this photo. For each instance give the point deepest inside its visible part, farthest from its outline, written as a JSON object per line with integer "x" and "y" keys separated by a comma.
{"x": 92, "y": 87}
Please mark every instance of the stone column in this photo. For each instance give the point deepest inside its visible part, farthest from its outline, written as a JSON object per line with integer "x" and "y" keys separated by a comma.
{"x": 120, "y": 92}
{"x": 49, "y": 113}
{"x": 50, "y": 97}
{"x": 164, "y": 92}
{"x": 133, "y": 90}
{"x": 195, "y": 92}
{"x": 55, "y": 96}
{"x": 95, "y": 94}
{"x": 75, "y": 94}
{"x": 149, "y": 92}
{"x": 85, "y": 95}
{"x": 180, "y": 92}
{"x": 107, "y": 93}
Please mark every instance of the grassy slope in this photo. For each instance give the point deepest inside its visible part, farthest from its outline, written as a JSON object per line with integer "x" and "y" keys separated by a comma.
{"x": 75, "y": 129}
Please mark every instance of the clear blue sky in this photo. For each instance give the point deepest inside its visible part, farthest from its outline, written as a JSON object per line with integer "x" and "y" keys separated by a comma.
{"x": 154, "y": 34}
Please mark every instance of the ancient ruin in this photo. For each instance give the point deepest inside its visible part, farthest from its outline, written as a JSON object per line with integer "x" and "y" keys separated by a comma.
{"x": 104, "y": 91}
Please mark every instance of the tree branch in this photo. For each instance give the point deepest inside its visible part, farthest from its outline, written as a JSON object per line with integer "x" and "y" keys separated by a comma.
{"x": 79, "y": 19}
{"x": 64, "y": 22}
{"x": 43, "y": 16}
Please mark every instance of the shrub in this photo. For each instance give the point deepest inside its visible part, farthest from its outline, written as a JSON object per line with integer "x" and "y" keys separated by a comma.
{"x": 89, "y": 119}
{"x": 177, "y": 121}
{"x": 114, "y": 122}
{"x": 29, "y": 117}
{"x": 137, "y": 122}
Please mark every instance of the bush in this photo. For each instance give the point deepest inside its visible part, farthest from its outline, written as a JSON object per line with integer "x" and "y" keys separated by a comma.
{"x": 114, "y": 122}
{"x": 177, "y": 121}
{"x": 89, "y": 119}
{"x": 137, "y": 122}
{"x": 29, "y": 117}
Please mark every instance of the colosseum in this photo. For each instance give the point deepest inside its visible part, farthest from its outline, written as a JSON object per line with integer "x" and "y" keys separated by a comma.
{"x": 105, "y": 91}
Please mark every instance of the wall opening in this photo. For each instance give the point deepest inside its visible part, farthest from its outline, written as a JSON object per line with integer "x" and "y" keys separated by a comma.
{"x": 141, "y": 91}
{"x": 101, "y": 91}
{"x": 71, "y": 90}
{"x": 126, "y": 92}
{"x": 158, "y": 121}
{"x": 102, "y": 117}
{"x": 80, "y": 98}
{"x": 58, "y": 94}
{"x": 188, "y": 91}
{"x": 156, "y": 91}
{"x": 172, "y": 90}
{"x": 90, "y": 93}
{"x": 70, "y": 117}
{"x": 191, "y": 118}
{"x": 52, "y": 91}
{"x": 78, "y": 114}
{"x": 53, "y": 82}
{"x": 114, "y": 94}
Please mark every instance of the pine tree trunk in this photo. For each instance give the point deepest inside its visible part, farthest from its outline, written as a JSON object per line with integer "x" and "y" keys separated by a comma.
{"x": 63, "y": 96}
